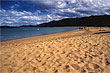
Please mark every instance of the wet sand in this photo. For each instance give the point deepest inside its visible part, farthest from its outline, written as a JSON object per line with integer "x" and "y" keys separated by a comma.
{"x": 80, "y": 51}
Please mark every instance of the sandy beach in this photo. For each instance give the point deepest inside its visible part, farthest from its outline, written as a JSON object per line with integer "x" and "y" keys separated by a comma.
{"x": 77, "y": 51}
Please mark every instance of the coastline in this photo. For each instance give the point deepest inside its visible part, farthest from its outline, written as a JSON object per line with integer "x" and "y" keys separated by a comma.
{"x": 73, "y": 51}
{"x": 32, "y": 32}
{"x": 42, "y": 36}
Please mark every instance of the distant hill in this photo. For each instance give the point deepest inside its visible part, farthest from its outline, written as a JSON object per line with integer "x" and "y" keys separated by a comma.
{"x": 92, "y": 21}
{"x": 97, "y": 21}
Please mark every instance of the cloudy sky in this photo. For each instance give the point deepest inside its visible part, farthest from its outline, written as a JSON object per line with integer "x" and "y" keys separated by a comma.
{"x": 34, "y": 12}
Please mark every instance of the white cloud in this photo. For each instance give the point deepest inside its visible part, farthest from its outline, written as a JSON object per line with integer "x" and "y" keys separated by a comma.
{"x": 15, "y": 18}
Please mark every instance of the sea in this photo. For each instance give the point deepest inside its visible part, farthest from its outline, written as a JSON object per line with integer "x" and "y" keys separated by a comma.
{"x": 7, "y": 34}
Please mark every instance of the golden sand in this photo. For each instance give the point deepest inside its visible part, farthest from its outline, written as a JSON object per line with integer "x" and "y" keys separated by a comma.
{"x": 78, "y": 51}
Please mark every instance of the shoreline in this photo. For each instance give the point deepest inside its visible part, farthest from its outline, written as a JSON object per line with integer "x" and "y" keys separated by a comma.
{"x": 76, "y": 51}
{"x": 53, "y": 34}
{"x": 74, "y": 28}
{"x": 41, "y": 36}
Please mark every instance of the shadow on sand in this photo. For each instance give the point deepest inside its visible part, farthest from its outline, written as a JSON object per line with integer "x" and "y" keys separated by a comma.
{"x": 102, "y": 32}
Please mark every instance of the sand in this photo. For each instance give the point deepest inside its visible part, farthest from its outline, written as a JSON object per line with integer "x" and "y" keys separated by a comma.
{"x": 79, "y": 51}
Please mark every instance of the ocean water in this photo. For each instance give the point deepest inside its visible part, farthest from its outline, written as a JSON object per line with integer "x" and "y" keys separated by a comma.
{"x": 7, "y": 34}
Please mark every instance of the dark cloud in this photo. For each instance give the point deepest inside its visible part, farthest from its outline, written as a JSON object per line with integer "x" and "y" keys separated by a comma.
{"x": 68, "y": 14}
{"x": 48, "y": 4}
{"x": 43, "y": 5}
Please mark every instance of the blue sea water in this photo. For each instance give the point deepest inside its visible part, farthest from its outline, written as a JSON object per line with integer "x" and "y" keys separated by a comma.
{"x": 7, "y": 34}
